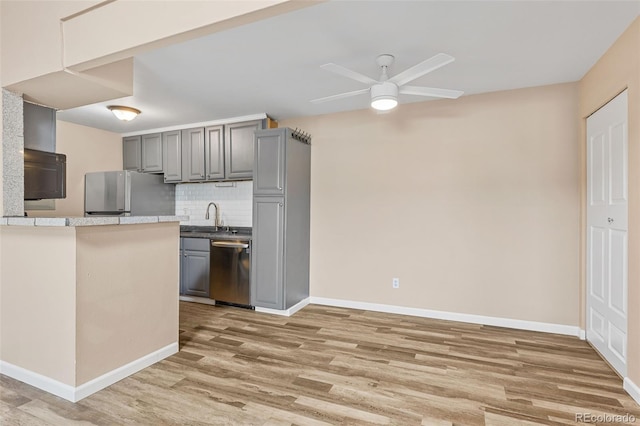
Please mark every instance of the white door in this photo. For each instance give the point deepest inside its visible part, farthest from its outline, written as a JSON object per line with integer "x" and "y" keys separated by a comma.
{"x": 607, "y": 219}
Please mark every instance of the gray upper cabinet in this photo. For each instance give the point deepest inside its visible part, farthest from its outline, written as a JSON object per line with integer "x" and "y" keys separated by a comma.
{"x": 239, "y": 149}
{"x": 214, "y": 152}
{"x": 193, "y": 160}
{"x": 281, "y": 187}
{"x": 39, "y": 127}
{"x": 132, "y": 153}
{"x": 172, "y": 156}
{"x": 143, "y": 153}
{"x": 268, "y": 174}
{"x": 152, "y": 153}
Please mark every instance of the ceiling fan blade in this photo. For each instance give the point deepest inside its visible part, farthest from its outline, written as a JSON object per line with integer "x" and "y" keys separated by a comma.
{"x": 346, "y": 72}
{"x": 424, "y": 67}
{"x": 431, "y": 91}
{"x": 340, "y": 96}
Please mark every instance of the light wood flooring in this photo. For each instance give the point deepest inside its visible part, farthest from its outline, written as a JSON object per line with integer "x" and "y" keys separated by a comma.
{"x": 342, "y": 366}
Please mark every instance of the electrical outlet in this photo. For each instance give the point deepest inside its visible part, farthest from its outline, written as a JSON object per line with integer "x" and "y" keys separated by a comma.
{"x": 396, "y": 283}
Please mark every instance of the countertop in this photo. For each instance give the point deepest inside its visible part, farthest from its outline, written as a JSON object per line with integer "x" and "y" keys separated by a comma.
{"x": 86, "y": 221}
{"x": 234, "y": 233}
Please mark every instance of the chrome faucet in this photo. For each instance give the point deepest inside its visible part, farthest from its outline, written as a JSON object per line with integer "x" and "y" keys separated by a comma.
{"x": 216, "y": 221}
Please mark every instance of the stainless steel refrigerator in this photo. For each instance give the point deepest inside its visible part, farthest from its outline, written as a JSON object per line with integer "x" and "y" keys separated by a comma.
{"x": 127, "y": 193}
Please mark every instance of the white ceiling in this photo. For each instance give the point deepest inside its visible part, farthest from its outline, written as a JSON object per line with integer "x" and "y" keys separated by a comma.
{"x": 273, "y": 66}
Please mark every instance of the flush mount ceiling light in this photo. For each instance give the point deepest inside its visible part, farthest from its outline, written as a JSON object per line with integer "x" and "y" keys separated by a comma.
{"x": 384, "y": 91}
{"x": 124, "y": 113}
{"x": 384, "y": 96}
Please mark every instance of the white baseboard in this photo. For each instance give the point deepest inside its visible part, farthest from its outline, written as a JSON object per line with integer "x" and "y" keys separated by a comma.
{"x": 287, "y": 312}
{"x": 196, "y": 299}
{"x": 568, "y": 330}
{"x": 75, "y": 394}
{"x": 632, "y": 389}
{"x": 39, "y": 381}
{"x": 583, "y": 334}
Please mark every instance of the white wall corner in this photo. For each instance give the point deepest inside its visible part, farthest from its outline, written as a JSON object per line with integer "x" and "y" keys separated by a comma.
{"x": 286, "y": 312}
{"x": 632, "y": 389}
{"x": 544, "y": 327}
{"x": 126, "y": 370}
{"x": 37, "y": 380}
{"x": 75, "y": 394}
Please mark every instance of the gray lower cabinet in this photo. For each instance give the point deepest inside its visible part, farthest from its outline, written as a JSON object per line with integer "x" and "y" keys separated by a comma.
{"x": 193, "y": 161}
{"x": 238, "y": 142}
{"x": 281, "y": 187}
{"x": 132, "y": 153}
{"x": 172, "y": 156}
{"x": 267, "y": 284}
{"x": 194, "y": 267}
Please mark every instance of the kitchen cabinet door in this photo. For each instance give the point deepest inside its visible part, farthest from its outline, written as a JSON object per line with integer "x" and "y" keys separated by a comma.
{"x": 172, "y": 156}
{"x": 193, "y": 160}
{"x": 238, "y": 141}
{"x": 132, "y": 153}
{"x": 195, "y": 273}
{"x": 180, "y": 262}
{"x": 39, "y": 127}
{"x": 267, "y": 278}
{"x": 152, "y": 153}
{"x": 214, "y": 152}
{"x": 269, "y": 167}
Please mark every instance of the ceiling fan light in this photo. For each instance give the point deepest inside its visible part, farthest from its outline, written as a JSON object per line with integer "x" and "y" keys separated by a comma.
{"x": 384, "y": 103}
{"x": 124, "y": 113}
{"x": 384, "y": 96}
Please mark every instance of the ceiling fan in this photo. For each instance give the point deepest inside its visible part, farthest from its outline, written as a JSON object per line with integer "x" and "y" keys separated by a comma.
{"x": 384, "y": 91}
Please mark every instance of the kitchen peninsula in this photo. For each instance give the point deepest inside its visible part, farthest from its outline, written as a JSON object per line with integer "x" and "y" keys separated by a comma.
{"x": 86, "y": 302}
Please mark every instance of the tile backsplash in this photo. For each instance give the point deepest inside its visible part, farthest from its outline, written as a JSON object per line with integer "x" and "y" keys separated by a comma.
{"x": 235, "y": 202}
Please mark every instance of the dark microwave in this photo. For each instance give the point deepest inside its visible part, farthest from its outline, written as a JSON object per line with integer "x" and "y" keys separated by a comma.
{"x": 45, "y": 175}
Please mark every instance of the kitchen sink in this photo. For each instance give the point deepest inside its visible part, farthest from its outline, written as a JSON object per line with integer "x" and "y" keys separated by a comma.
{"x": 210, "y": 231}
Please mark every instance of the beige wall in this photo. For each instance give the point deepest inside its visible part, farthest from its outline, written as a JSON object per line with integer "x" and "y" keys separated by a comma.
{"x": 84, "y": 40}
{"x": 472, "y": 203}
{"x": 1, "y": 126}
{"x": 34, "y": 29}
{"x": 127, "y": 294}
{"x": 32, "y": 42}
{"x": 618, "y": 69}
{"x": 87, "y": 150}
{"x": 1, "y": 168}
{"x": 50, "y": 44}
{"x": 98, "y": 297}
{"x": 38, "y": 298}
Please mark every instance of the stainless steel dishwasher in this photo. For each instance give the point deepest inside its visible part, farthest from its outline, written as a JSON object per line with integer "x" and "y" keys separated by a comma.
{"x": 230, "y": 269}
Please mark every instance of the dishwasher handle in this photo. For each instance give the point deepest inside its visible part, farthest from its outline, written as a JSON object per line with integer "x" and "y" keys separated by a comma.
{"x": 228, "y": 244}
